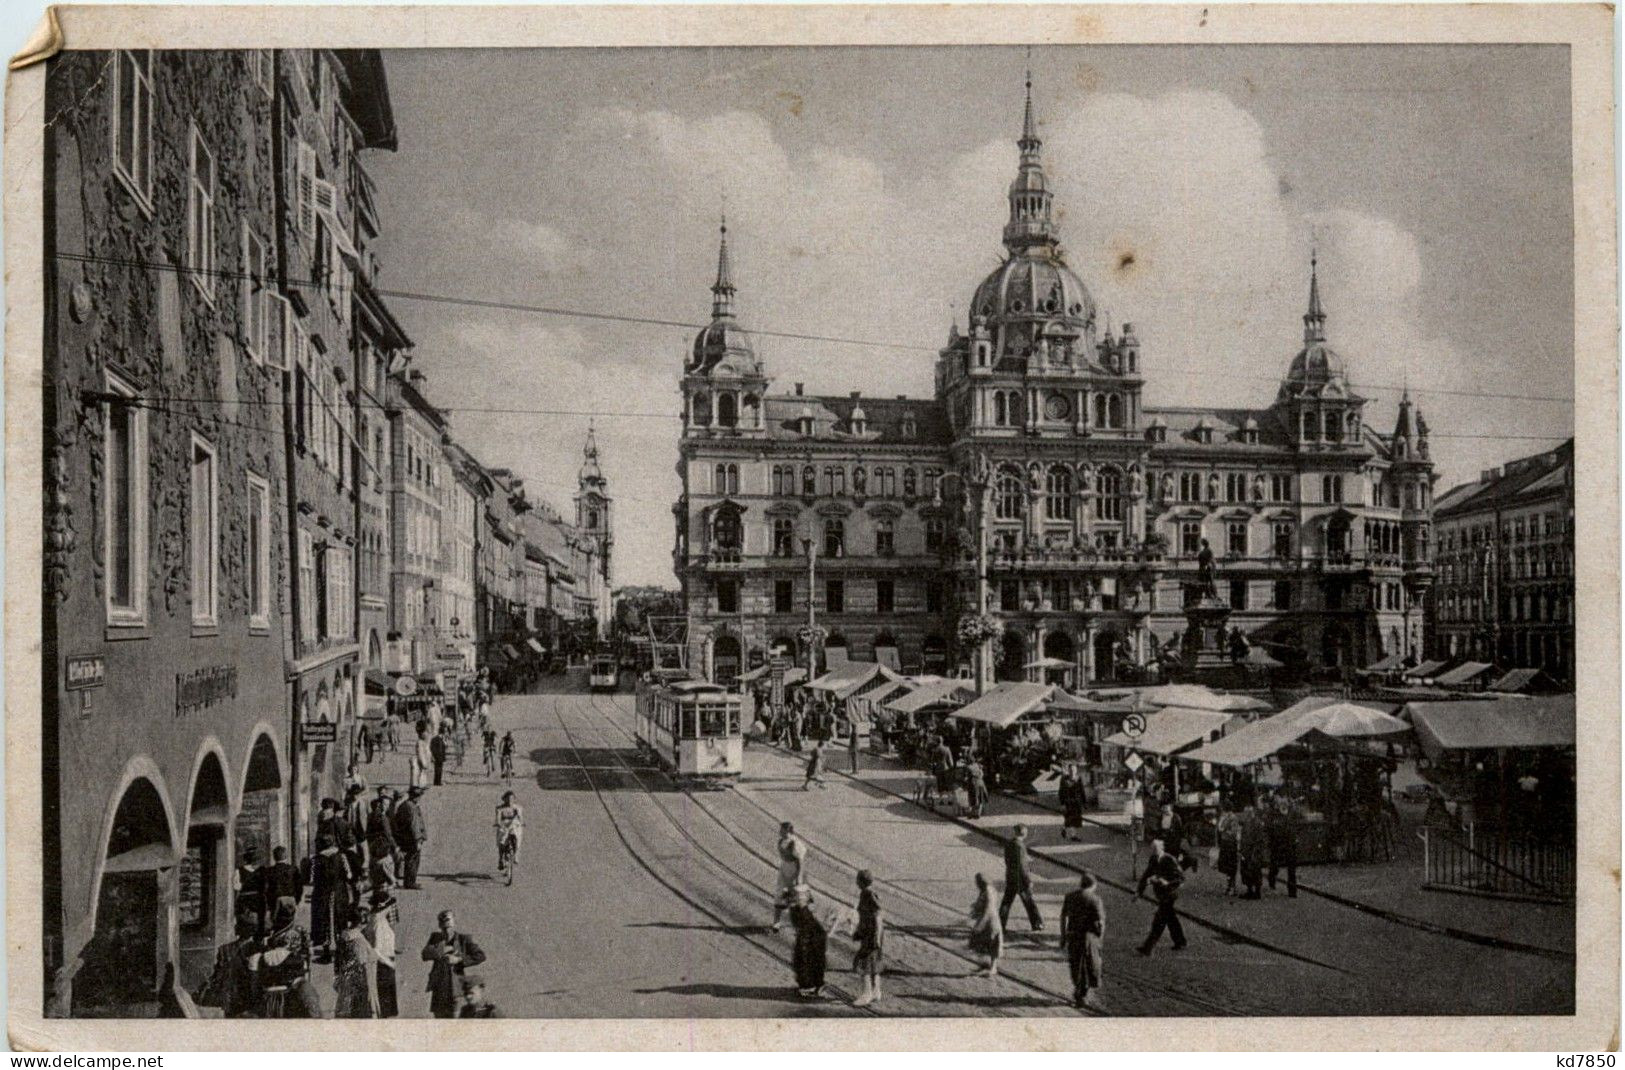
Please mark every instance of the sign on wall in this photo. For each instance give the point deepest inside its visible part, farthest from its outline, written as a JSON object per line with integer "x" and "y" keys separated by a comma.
{"x": 201, "y": 688}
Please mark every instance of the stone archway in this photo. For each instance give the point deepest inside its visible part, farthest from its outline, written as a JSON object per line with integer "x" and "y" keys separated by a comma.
{"x": 1105, "y": 651}
{"x": 204, "y": 895}
{"x": 122, "y": 962}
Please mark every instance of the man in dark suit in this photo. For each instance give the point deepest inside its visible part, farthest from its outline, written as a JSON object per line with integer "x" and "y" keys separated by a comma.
{"x": 279, "y": 880}
{"x": 450, "y": 953}
{"x": 1083, "y": 928}
{"x": 1281, "y": 827}
{"x": 437, "y": 751}
{"x": 1164, "y": 874}
{"x": 381, "y": 843}
{"x": 410, "y": 836}
{"x": 1017, "y": 881}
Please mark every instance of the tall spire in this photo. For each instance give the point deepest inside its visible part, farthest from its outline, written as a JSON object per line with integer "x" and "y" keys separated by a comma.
{"x": 1314, "y": 321}
{"x": 722, "y": 291}
{"x": 590, "y": 471}
{"x": 1030, "y": 223}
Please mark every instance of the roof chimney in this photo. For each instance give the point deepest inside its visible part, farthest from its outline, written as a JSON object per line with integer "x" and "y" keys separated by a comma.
{"x": 1488, "y": 474}
{"x": 856, "y": 394}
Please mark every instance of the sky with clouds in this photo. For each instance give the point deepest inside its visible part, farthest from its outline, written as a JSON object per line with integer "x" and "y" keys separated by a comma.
{"x": 865, "y": 193}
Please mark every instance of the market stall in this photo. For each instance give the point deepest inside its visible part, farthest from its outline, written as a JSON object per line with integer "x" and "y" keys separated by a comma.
{"x": 1468, "y": 676}
{"x": 1165, "y": 734}
{"x": 1013, "y": 726}
{"x": 834, "y": 691}
{"x": 907, "y": 721}
{"x": 1318, "y": 753}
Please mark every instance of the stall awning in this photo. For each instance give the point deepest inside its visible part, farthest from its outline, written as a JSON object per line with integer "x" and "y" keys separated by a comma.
{"x": 848, "y": 677}
{"x": 887, "y": 656}
{"x": 835, "y": 655}
{"x": 1425, "y": 670}
{"x": 1049, "y": 663}
{"x": 1489, "y": 724}
{"x": 1173, "y": 729}
{"x": 938, "y": 693}
{"x": 534, "y": 645}
{"x": 1197, "y": 697}
{"x": 1524, "y": 680}
{"x": 1259, "y": 658}
{"x": 1006, "y": 704}
{"x": 379, "y": 682}
{"x": 1387, "y": 664}
{"x": 1465, "y": 673}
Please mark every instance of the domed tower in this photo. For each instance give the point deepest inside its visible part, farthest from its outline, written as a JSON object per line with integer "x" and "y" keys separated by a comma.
{"x": 593, "y": 523}
{"x": 723, "y": 382}
{"x": 1316, "y": 405}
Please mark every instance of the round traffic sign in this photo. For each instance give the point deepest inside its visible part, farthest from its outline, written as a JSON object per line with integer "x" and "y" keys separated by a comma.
{"x": 1134, "y": 725}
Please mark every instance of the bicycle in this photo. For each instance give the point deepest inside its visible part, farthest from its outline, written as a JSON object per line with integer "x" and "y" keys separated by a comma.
{"x": 507, "y": 768}
{"x": 508, "y": 856}
{"x": 490, "y": 759}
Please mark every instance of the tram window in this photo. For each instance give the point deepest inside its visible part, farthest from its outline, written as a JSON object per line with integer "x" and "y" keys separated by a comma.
{"x": 712, "y": 720}
{"x": 688, "y": 723}
{"x": 733, "y": 720}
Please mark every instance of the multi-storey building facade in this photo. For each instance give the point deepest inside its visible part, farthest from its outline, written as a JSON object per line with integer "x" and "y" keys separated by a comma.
{"x": 165, "y": 745}
{"x": 459, "y": 542}
{"x": 420, "y": 477}
{"x": 1506, "y": 566}
{"x": 1037, "y": 487}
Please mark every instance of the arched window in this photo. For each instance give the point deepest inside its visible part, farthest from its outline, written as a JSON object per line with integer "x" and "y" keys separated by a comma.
{"x": 809, "y": 480}
{"x": 727, "y": 532}
{"x": 1100, "y": 410}
{"x": 910, "y": 483}
{"x": 860, "y": 480}
{"x": 1108, "y": 494}
{"x": 888, "y": 482}
{"x": 1190, "y": 486}
{"x": 1114, "y": 411}
{"x": 727, "y": 410}
{"x": 1001, "y": 409}
{"x": 834, "y": 537}
{"x": 719, "y": 480}
{"x": 1058, "y": 493}
{"x": 1008, "y": 495}
{"x": 733, "y": 479}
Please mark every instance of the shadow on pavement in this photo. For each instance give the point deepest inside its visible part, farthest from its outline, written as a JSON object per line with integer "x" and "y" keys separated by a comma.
{"x": 465, "y": 878}
{"x": 731, "y": 930}
{"x": 1009, "y": 1002}
{"x": 783, "y": 994}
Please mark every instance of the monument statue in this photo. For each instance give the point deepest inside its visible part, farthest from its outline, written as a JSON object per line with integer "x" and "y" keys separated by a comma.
{"x": 1204, "y": 572}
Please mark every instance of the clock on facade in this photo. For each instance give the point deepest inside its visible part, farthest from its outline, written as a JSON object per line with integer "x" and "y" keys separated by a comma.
{"x": 1055, "y": 407}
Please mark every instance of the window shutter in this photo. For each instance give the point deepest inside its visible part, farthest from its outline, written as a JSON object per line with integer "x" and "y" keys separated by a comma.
{"x": 325, "y": 199}
{"x": 306, "y": 197}
{"x": 277, "y": 356}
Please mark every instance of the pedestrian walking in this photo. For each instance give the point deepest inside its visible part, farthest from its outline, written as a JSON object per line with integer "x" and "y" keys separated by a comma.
{"x": 943, "y": 765}
{"x": 437, "y": 752}
{"x": 812, "y": 944}
{"x": 355, "y": 817}
{"x": 1168, "y": 828}
{"x": 330, "y": 896}
{"x": 450, "y": 953}
{"x": 975, "y": 785}
{"x": 1228, "y": 857}
{"x": 246, "y": 883}
{"x": 1070, "y": 794}
{"x": 422, "y": 757}
{"x": 1018, "y": 882}
{"x": 380, "y": 933}
{"x": 1083, "y": 931}
{"x": 1164, "y": 874}
{"x": 410, "y": 836}
{"x": 279, "y": 880}
{"x": 232, "y": 986}
{"x": 852, "y": 747}
{"x": 792, "y": 864}
{"x": 815, "y": 767}
{"x": 381, "y": 843}
{"x": 284, "y": 966}
{"x": 870, "y": 938}
{"x": 475, "y": 1004}
{"x": 986, "y": 930}
{"x": 1254, "y": 843}
{"x": 355, "y": 970}
{"x": 1281, "y": 830}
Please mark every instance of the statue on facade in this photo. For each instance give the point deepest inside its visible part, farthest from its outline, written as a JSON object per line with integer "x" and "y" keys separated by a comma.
{"x": 982, "y": 469}
{"x": 1136, "y": 482}
{"x": 1258, "y": 487}
{"x": 1167, "y": 486}
{"x": 1213, "y": 487}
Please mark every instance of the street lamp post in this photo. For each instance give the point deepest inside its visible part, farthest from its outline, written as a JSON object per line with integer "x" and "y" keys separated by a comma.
{"x": 811, "y": 548}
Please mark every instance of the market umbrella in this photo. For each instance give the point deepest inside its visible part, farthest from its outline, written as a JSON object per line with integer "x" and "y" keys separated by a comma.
{"x": 1346, "y": 719}
{"x": 1048, "y": 663}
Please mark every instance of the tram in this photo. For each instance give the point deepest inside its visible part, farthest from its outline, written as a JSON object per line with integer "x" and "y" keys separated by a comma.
{"x": 603, "y": 673}
{"x": 692, "y": 727}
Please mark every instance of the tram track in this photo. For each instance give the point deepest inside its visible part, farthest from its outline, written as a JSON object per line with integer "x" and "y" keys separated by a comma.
{"x": 1202, "y": 1004}
{"x": 694, "y": 902}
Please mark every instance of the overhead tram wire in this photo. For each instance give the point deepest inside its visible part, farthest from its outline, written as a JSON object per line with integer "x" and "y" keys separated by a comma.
{"x": 651, "y": 321}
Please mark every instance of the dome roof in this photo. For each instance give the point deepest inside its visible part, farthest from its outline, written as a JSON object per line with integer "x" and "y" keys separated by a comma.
{"x": 1316, "y": 367}
{"x": 1034, "y": 286}
{"x": 723, "y": 345}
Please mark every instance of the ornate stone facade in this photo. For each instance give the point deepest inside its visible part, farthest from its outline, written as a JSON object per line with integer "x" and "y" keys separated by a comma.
{"x": 1036, "y": 486}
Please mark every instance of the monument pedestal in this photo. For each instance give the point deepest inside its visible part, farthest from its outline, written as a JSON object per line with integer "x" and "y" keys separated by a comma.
{"x": 1206, "y": 644}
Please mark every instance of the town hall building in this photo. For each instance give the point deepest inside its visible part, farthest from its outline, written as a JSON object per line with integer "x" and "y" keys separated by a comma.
{"x": 1036, "y": 498}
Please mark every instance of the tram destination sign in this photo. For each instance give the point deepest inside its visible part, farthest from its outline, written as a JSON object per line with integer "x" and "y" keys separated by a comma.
{"x": 201, "y": 688}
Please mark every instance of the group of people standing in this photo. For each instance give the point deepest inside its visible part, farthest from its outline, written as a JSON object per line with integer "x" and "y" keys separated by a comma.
{"x": 1259, "y": 834}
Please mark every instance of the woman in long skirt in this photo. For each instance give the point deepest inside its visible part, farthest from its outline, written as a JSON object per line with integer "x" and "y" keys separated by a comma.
{"x": 812, "y": 941}
{"x": 380, "y": 933}
{"x": 355, "y": 971}
{"x": 986, "y": 931}
{"x": 1228, "y": 862}
{"x": 870, "y": 937}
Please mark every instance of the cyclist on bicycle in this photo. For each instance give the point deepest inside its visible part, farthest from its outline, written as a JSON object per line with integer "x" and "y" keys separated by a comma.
{"x": 510, "y": 826}
{"x": 490, "y": 751}
{"x": 507, "y": 753}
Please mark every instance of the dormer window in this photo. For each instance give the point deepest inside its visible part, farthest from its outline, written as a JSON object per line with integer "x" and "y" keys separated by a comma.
{"x": 858, "y": 421}
{"x": 909, "y": 427}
